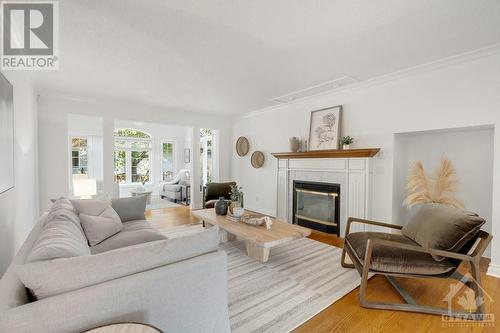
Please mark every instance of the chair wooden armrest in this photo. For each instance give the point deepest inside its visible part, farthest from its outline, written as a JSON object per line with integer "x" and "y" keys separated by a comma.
{"x": 370, "y": 222}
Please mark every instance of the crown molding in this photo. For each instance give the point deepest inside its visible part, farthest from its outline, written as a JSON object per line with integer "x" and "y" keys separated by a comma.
{"x": 394, "y": 76}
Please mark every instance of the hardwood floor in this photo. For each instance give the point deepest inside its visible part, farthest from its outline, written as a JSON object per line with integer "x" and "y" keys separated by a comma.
{"x": 347, "y": 316}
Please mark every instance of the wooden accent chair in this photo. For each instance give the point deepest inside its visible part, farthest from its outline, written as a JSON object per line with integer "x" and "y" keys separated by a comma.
{"x": 395, "y": 255}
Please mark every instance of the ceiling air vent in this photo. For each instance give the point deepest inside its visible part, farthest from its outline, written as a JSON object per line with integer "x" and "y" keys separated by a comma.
{"x": 317, "y": 89}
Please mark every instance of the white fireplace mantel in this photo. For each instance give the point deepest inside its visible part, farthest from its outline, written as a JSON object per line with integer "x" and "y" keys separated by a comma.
{"x": 353, "y": 174}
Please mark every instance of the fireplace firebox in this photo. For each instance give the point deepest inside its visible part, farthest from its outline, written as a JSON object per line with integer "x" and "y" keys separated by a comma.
{"x": 317, "y": 206}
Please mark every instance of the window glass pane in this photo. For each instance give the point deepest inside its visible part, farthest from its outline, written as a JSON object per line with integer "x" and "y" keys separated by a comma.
{"x": 168, "y": 161}
{"x": 79, "y": 156}
{"x": 131, "y": 133}
{"x": 120, "y": 144}
{"x": 140, "y": 166}
{"x": 206, "y": 146}
{"x": 120, "y": 173}
{"x": 140, "y": 144}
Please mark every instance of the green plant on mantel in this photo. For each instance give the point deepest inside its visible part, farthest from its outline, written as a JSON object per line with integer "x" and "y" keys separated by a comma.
{"x": 346, "y": 140}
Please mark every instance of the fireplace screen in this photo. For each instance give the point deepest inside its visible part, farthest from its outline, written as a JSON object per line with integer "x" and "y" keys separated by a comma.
{"x": 316, "y": 206}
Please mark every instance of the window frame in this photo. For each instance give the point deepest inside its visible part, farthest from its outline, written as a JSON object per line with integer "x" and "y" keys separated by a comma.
{"x": 174, "y": 159}
{"x": 128, "y": 149}
{"x": 88, "y": 147}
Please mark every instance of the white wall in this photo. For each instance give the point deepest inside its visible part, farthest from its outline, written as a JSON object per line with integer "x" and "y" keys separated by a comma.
{"x": 53, "y": 111}
{"x": 461, "y": 93}
{"x": 18, "y": 206}
{"x": 471, "y": 152}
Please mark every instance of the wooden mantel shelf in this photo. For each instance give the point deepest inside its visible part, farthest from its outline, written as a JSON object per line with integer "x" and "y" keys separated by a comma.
{"x": 350, "y": 153}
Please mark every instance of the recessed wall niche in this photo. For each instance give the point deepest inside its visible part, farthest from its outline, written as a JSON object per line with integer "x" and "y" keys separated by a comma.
{"x": 470, "y": 149}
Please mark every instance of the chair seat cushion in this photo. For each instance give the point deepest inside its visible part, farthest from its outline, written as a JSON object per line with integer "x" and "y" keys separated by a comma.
{"x": 391, "y": 260}
{"x": 172, "y": 188}
{"x": 132, "y": 233}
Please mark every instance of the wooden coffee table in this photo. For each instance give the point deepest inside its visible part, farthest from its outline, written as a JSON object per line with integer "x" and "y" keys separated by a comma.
{"x": 259, "y": 240}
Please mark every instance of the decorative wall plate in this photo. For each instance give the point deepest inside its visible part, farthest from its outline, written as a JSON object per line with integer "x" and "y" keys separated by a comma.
{"x": 242, "y": 146}
{"x": 257, "y": 159}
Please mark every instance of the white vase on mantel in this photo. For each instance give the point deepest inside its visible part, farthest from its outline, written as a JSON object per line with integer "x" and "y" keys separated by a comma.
{"x": 346, "y": 147}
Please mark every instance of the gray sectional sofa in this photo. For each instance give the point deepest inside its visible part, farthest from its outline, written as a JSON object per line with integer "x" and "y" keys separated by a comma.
{"x": 57, "y": 282}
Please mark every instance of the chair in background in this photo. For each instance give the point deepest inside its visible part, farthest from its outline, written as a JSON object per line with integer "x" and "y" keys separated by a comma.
{"x": 172, "y": 189}
{"x": 213, "y": 191}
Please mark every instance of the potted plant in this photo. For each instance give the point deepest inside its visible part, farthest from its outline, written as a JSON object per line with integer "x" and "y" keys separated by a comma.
{"x": 346, "y": 142}
{"x": 236, "y": 195}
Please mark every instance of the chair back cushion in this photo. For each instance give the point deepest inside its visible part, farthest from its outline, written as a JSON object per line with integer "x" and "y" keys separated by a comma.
{"x": 435, "y": 226}
{"x": 216, "y": 190}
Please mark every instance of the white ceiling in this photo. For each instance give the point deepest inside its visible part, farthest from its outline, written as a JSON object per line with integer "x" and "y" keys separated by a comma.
{"x": 230, "y": 56}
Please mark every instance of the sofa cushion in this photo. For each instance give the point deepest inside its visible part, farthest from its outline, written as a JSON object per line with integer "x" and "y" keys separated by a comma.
{"x": 63, "y": 275}
{"x": 91, "y": 206}
{"x": 98, "y": 228}
{"x": 132, "y": 233}
{"x": 61, "y": 235}
{"x": 435, "y": 226}
{"x": 391, "y": 260}
{"x": 62, "y": 208}
{"x": 99, "y": 220}
{"x": 130, "y": 209}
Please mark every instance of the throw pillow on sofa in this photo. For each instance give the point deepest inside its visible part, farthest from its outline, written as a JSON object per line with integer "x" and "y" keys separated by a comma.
{"x": 61, "y": 235}
{"x": 131, "y": 208}
{"x": 99, "y": 220}
{"x": 435, "y": 226}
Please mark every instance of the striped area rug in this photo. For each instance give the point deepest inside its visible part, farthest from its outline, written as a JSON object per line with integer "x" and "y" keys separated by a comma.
{"x": 301, "y": 278}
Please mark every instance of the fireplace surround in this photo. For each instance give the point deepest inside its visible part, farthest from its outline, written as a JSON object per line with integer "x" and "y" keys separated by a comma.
{"x": 353, "y": 176}
{"x": 316, "y": 205}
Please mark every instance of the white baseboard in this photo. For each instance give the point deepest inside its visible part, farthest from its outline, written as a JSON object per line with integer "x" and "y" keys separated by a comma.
{"x": 494, "y": 270}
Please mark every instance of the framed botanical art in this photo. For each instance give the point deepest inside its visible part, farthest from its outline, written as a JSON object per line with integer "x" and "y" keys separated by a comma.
{"x": 6, "y": 135}
{"x": 324, "y": 128}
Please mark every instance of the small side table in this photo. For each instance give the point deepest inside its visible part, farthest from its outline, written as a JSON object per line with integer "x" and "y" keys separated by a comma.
{"x": 140, "y": 192}
{"x": 186, "y": 189}
{"x": 125, "y": 328}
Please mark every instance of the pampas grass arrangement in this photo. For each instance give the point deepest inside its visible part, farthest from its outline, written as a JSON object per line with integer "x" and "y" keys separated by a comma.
{"x": 440, "y": 189}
